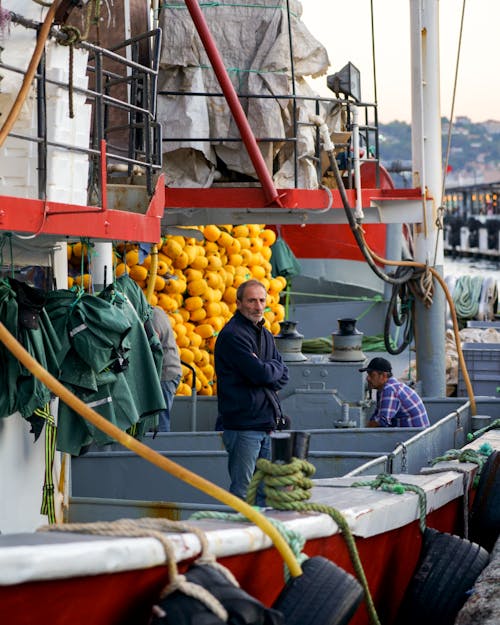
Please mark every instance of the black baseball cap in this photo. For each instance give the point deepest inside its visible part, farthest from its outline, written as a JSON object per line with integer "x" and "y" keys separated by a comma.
{"x": 378, "y": 364}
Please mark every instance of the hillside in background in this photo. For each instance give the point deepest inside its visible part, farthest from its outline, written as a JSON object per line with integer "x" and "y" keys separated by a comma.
{"x": 474, "y": 155}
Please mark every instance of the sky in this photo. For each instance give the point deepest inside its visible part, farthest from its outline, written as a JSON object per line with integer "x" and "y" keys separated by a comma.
{"x": 344, "y": 28}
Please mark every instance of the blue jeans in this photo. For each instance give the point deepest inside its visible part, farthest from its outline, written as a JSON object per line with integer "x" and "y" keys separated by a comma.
{"x": 244, "y": 447}
{"x": 169, "y": 388}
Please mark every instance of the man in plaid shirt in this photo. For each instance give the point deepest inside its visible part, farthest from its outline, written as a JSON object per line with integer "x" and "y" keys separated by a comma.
{"x": 398, "y": 405}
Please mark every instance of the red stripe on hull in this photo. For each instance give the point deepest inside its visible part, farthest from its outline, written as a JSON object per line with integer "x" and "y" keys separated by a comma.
{"x": 337, "y": 241}
{"x": 332, "y": 241}
{"x": 126, "y": 598}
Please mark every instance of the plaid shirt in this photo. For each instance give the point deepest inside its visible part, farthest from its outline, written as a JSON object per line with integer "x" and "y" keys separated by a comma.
{"x": 398, "y": 405}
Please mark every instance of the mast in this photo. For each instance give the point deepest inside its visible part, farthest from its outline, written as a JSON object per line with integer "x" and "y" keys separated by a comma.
{"x": 427, "y": 173}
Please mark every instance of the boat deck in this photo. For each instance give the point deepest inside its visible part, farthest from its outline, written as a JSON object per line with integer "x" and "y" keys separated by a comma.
{"x": 366, "y": 510}
{"x": 384, "y": 525}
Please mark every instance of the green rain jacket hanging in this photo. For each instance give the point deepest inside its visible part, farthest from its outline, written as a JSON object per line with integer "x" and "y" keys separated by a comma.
{"x": 106, "y": 360}
{"x": 22, "y": 312}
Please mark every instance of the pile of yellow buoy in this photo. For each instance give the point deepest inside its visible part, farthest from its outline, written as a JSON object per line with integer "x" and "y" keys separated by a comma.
{"x": 195, "y": 284}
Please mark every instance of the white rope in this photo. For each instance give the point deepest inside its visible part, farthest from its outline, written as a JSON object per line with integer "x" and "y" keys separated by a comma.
{"x": 155, "y": 528}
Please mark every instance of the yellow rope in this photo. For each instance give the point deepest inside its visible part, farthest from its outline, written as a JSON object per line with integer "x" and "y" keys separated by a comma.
{"x": 148, "y": 454}
{"x": 451, "y": 304}
{"x": 153, "y": 268}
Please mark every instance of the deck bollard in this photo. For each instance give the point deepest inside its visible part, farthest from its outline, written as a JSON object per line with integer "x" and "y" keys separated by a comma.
{"x": 288, "y": 445}
{"x": 300, "y": 444}
{"x": 281, "y": 447}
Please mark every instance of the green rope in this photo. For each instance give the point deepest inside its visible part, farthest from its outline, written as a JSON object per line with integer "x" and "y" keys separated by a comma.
{"x": 324, "y": 344}
{"x": 494, "y": 425}
{"x": 82, "y": 268}
{"x": 240, "y": 70}
{"x": 115, "y": 262}
{"x": 390, "y": 484}
{"x": 376, "y": 342}
{"x": 3, "y": 241}
{"x": 362, "y": 298}
{"x": 11, "y": 253}
{"x": 287, "y": 299}
{"x": 376, "y": 300}
{"x": 283, "y": 483}
{"x": 294, "y": 539}
{"x": 287, "y": 486}
{"x": 474, "y": 456}
{"x": 87, "y": 245}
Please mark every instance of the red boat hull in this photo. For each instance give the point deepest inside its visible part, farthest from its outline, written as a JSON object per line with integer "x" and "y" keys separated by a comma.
{"x": 125, "y": 598}
{"x": 334, "y": 241}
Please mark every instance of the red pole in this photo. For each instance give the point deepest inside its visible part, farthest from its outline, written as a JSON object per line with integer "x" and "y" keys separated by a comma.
{"x": 231, "y": 96}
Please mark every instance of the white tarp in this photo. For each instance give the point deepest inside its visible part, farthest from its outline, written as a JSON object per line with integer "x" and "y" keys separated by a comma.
{"x": 253, "y": 41}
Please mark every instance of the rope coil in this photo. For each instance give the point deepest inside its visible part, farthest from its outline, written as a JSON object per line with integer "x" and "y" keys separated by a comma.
{"x": 287, "y": 487}
{"x": 284, "y": 484}
{"x": 466, "y": 296}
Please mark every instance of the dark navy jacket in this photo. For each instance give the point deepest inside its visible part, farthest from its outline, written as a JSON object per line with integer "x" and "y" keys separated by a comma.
{"x": 249, "y": 371}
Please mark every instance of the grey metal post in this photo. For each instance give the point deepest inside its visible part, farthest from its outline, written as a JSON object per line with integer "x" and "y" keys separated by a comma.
{"x": 427, "y": 173}
{"x": 393, "y": 245}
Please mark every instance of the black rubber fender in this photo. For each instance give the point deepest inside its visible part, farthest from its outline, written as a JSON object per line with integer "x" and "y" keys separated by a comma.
{"x": 447, "y": 569}
{"x": 484, "y": 518}
{"x": 324, "y": 594}
{"x": 242, "y": 608}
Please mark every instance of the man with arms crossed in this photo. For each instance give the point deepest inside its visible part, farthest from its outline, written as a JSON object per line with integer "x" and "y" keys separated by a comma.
{"x": 249, "y": 372}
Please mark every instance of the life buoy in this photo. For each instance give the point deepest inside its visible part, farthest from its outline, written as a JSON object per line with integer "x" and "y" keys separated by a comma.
{"x": 484, "y": 518}
{"x": 324, "y": 595}
{"x": 448, "y": 567}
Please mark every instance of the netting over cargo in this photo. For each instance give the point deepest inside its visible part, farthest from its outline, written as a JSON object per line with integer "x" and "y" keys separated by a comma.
{"x": 257, "y": 47}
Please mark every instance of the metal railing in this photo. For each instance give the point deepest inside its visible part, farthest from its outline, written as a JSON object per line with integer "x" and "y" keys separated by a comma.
{"x": 448, "y": 433}
{"x": 368, "y": 130}
{"x": 123, "y": 99}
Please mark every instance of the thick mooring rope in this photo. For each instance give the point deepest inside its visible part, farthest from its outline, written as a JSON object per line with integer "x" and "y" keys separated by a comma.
{"x": 494, "y": 425}
{"x": 422, "y": 286}
{"x": 287, "y": 487}
{"x": 294, "y": 539}
{"x": 478, "y": 457}
{"x": 464, "y": 455}
{"x": 389, "y": 484}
